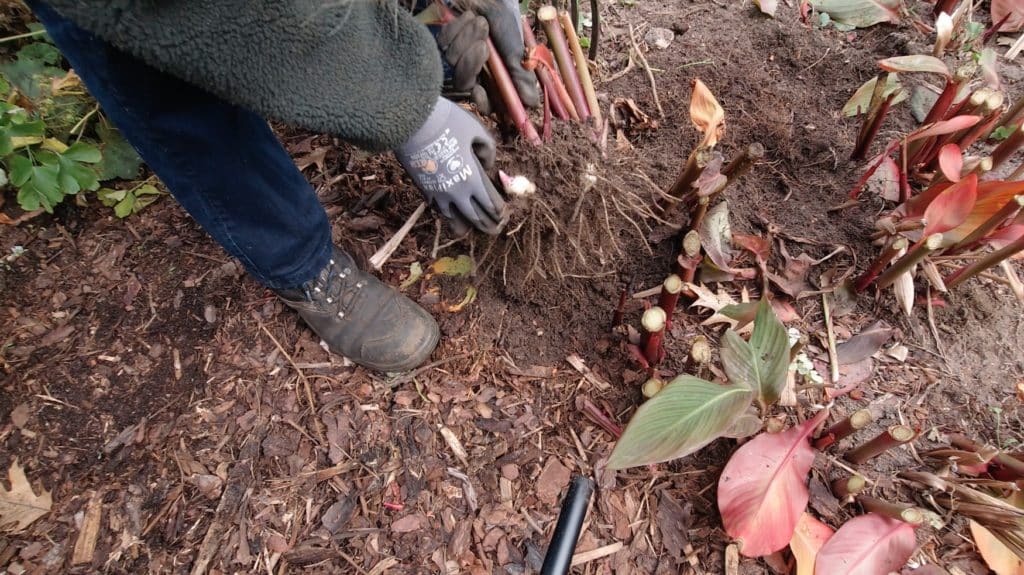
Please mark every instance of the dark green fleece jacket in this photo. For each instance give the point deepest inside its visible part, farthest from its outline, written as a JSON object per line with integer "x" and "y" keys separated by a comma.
{"x": 363, "y": 70}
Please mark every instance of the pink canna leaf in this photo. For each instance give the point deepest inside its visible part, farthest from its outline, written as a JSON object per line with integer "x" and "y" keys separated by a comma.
{"x": 763, "y": 489}
{"x": 915, "y": 206}
{"x": 915, "y": 63}
{"x": 1000, "y": 8}
{"x": 869, "y": 544}
{"x": 951, "y": 162}
{"x": 808, "y": 539}
{"x": 992, "y": 196}
{"x": 1007, "y": 235}
{"x": 943, "y": 127}
{"x": 951, "y": 208}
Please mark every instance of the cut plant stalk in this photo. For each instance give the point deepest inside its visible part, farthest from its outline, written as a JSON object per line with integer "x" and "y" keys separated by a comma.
{"x": 997, "y": 219}
{"x": 900, "y": 512}
{"x": 700, "y": 354}
{"x": 846, "y": 487}
{"x": 1008, "y": 147}
{"x": 669, "y": 297}
{"x": 694, "y": 165}
{"x": 914, "y": 255}
{"x": 582, "y": 67}
{"x": 990, "y": 260}
{"x": 1003, "y": 459}
{"x": 842, "y": 429}
{"x": 893, "y": 437}
{"x": 653, "y": 322}
{"x": 689, "y": 260}
{"x": 556, "y": 96}
{"x": 883, "y": 260}
{"x": 652, "y": 387}
{"x": 503, "y": 83}
{"x": 742, "y": 162}
{"x": 548, "y": 17}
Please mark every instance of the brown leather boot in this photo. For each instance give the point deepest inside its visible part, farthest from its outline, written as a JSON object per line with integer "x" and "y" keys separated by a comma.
{"x": 363, "y": 319}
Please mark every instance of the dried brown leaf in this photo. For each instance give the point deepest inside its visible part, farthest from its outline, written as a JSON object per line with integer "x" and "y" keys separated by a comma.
{"x": 20, "y": 506}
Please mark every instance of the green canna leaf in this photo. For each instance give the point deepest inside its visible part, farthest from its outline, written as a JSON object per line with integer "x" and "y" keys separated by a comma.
{"x": 761, "y": 363}
{"x": 684, "y": 416}
{"x": 915, "y": 63}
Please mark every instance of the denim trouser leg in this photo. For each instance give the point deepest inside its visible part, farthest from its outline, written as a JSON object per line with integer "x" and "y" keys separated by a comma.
{"x": 221, "y": 162}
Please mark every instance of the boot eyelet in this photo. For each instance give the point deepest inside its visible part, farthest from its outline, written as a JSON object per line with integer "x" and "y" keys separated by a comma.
{"x": 316, "y": 289}
{"x": 359, "y": 284}
{"x": 341, "y": 314}
{"x": 332, "y": 262}
{"x": 329, "y": 300}
{"x": 346, "y": 271}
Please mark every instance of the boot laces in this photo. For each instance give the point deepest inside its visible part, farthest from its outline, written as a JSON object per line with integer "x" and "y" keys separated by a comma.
{"x": 335, "y": 289}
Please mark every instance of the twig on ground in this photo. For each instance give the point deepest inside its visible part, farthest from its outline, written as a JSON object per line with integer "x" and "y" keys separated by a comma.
{"x": 425, "y": 368}
{"x": 305, "y": 384}
{"x": 647, "y": 68}
{"x": 595, "y": 554}
{"x": 377, "y": 260}
{"x": 833, "y": 356}
{"x": 931, "y": 323}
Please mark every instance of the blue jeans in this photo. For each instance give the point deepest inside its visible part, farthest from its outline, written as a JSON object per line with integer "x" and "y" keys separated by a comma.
{"x": 221, "y": 162}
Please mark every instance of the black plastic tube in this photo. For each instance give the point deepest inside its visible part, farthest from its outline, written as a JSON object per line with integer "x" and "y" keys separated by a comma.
{"x": 567, "y": 530}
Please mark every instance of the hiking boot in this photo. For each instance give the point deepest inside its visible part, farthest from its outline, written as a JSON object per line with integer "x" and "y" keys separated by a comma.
{"x": 363, "y": 319}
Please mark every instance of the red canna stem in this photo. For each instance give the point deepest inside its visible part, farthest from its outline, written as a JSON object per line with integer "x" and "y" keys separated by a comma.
{"x": 653, "y": 322}
{"x": 976, "y": 267}
{"x": 620, "y": 310}
{"x": 548, "y": 17}
{"x": 1005, "y": 460}
{"x": 598, "y": 416}
{"x": 892, "y": 437}
{"x": 883, "y": 260}
{"x": 914, "y": 256}
{"x": 991, "y": 32}
{"x": 1004, "y": 213}
{"x": 506, "y": 88}
{"x": 944, "y": 6}
{"x": 842, "y": 429}
{"x": 1009, "y": 146}
{"x": 551, "y": 93}
{"x": 872, "y": 123}
{"x": 943, "y": 102}
{"x": 670, "y": 290}
{"x": 845, "y": 487}
{"x": 897, "y": 511}
{"x": 582, "y": 67}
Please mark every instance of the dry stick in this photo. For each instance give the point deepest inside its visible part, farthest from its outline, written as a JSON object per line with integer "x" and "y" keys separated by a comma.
{"x": 967, "y": 272}
{"x": 378, "y": 259}
{"x": 669, "y": 297}
{"x": 833, "y": 356}
{"x": 1004, "y": 213}
{"x": 899, "y": 512}
{"x": 917, "y": 252}
{"x": 653, "y": 321}
{"x": 892, "y": 437}
{"x": 1007, "y": 147}
{"x": 555, "y": 95}
{"x": 548, "y": 16}
{"x": 1007, "y": 461}
{"x": 595, "y": 29}
{"x": 1010, "y": 117}
{"x": 582, "y": 68}
{"x": 842, "y": 429}
{"x": 647, "y": 69}
{"x": 305, "y": 384}
{"x": 887, "y": 255}
{"x": 845, "y": 487}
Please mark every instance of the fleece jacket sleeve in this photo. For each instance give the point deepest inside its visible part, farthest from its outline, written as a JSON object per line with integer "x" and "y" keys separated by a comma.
{"x": 363, "y": 70}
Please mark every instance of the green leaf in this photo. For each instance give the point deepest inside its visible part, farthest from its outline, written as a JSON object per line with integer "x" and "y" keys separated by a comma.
{"x": 761, "y": 363}
{"x": 858, "y": 13}
{"x": 45, "y": 179}
{"x": 684, "y": 416}
{"x": 40, "y": 52}
{"x": 29, "y": 198}
{"x": 1001, "y": 133}
{"x": 3, "y": 178}
{"x": 6, "y": 145}
{"x": 120, "y": 160}
{"x": 21, "y": 169}
{"x": 415, "y": 271}
{"x": 861, "y": 99}
{"x": 125, "y": 207}
{"x": 5, "y": 87}
{"x": 455, "y": 267}
{"x": 75, "y": 177}
{"x": 33, "y": 129}
{"x": 83, "y": 152}
{"x": 110, "y": 197}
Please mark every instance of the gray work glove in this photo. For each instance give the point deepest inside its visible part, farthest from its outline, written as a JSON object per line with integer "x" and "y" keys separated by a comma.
{"x": 446, "y": 159}
{"x": 463, "y": 42}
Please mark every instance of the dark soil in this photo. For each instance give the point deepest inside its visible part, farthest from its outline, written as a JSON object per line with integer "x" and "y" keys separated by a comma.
{"x": 140, "y": 367}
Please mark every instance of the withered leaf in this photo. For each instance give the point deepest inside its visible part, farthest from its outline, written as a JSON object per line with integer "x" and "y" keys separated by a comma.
{"x": 864, "y": 344}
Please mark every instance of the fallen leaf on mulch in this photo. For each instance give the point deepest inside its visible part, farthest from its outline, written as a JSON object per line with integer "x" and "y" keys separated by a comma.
{"x": 409, "y": 523}
{"x": 19, "y": 415}
{"x": 553, "y": 478}
{"x": 20, "y": 506}
{"x": 864, "y": 344}
{"x": 673, "y": 520}
{"x": 793, "y": 278}
{"x": 57, "y": 335}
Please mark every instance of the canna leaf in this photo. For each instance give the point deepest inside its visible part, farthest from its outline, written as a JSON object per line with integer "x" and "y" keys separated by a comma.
{"x": 706, "y": 114}
{"x": 761, "y": 363}
{"x": 996, "y": 554}
{"x": 859, "y": 13}
{"x": 861, "y": 99}
{"x": 915, "y": 63}
{"x": 684, "y": 416}
{"x": 992, "y": 196}
{"x": 809, "y": 537}
{"x": 867, "y": 545}
{"x": 1000, "y": 8}
{"x": 716, "y": 235}
{"x": 951, "y": 162}
{"x": 886, "y": 180}
{"x": 943, "y": 127}
{"x": 951, "y": 208}
{"x": 763, "y": 489}
{"x": 1007, "y": 235}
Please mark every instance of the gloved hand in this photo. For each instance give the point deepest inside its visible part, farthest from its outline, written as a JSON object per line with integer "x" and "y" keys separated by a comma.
{"x": 446, "y": 158}
{"x": 463, "y": 43}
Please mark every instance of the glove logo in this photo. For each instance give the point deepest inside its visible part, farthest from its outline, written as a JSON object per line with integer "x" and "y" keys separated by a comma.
{"x": 454, "y": 165}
